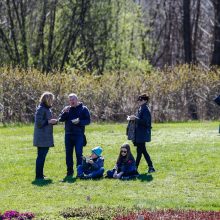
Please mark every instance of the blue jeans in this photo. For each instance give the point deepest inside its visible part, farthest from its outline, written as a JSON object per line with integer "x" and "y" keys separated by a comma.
{"x": 41, "y": 156}
{"x": 72, "y": 141}
{"x": 93, "y": 173}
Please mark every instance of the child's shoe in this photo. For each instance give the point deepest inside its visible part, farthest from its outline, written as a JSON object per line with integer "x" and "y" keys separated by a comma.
{"x": 86, "y": 177}
{"x": 125, "y": 178}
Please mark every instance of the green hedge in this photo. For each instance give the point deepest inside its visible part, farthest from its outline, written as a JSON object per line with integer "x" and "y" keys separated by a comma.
{"x": 177, "y": 94}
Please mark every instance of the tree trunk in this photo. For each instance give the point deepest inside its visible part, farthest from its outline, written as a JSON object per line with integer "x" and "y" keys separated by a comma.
{"x": 13, "y": 35}
{"x": 7, "y": 46}
{"x": 51, "y": 35}
{"x": 40, "y": 37}
{"x": 74, "y": 34}
{"x": 187, "y": 31}
{"x": 195, "y": 35}
{"x": 23, "y": 8}
{"x": 216, "y": 52}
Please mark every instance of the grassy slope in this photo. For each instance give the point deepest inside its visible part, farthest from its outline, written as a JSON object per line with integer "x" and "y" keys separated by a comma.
{"x": 186, "y": 156}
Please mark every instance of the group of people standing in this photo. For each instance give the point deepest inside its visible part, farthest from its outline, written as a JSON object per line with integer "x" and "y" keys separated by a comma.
{"x": 76, "y": 116}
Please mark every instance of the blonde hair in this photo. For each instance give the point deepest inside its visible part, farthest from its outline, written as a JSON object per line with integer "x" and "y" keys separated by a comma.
{"x": 47, "y": 98}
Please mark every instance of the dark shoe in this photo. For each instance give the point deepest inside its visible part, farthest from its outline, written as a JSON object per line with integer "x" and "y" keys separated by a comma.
{"x": 80, "y": 176}
{"x": 135, "y": 176}
{"x": 45, "y": 177}
{"x": 125, "y": 177}
{"x": 67, "y": 178}
{"x": 151, "y": 170}
{"x": 132, "y": 177}
{"x": 39, "y": 178}
{"x": 69, "y": 173}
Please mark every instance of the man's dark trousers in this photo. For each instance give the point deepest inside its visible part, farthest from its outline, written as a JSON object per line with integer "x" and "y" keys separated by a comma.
{"x": 72, "y": 141}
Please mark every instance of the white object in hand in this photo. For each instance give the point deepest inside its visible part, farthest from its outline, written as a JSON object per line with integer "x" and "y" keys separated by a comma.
{"x": 132, "y": 117}
{"x": 88, "y": 159}
{"x": 52, "y": 121}
{"x": 128, "y": 118}
{"x": 75, "y": 121}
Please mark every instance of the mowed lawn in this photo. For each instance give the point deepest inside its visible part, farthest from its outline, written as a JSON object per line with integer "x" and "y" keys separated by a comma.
{"x": 186, "y": 157}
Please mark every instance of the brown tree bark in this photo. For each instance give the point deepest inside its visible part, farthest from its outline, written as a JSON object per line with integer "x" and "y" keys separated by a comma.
{"x": 40, "y": 37}
{"x": 21, "y": 18}
{"x": 72, "y": 36}
{"x": 12, "y": 29}
{"x": 51, "y": 36}
{"x": 195, "y": 34}
{"x": 187, "y": 31}
{"x": 216, "y": 51}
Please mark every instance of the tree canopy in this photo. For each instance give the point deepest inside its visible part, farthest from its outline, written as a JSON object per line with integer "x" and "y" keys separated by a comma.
{"x": 105, "y": 35}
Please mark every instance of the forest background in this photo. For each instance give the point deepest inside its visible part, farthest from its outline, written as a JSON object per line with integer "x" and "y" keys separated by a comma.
{"x": 108, "y": 52}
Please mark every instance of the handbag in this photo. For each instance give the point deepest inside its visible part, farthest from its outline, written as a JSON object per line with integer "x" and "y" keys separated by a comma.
{"x": 131, "y": 130}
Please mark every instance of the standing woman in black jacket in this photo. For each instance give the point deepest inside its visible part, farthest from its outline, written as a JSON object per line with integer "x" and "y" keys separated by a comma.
{"x": 142, "y": 131}
{"x": 43, "y": 131}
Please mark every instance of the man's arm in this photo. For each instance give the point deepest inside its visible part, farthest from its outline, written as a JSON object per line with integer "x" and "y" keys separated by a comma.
{"x": 84, "y": 118}
{"x": 63, "y": 115}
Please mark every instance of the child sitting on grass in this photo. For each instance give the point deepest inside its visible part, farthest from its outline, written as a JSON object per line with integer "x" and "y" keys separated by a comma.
{"x": 92, "y": 166}
{"x": 125, "y": 167}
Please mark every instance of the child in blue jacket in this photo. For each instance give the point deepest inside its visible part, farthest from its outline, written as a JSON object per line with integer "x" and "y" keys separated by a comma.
{"x": 92, "y": 166}
{"x": 125, "y": 166}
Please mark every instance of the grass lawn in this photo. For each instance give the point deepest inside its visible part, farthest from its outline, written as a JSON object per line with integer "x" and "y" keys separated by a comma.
{"x": 185, "y": 155}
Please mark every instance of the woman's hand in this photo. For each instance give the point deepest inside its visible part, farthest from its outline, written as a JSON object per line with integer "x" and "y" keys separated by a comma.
{"x": 131, "y": 117}
{"x": 52, "y": 121}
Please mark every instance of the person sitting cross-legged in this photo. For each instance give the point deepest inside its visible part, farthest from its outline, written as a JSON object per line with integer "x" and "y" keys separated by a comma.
{"x": 125, "y": 167}
{"x": 92, "y": 166}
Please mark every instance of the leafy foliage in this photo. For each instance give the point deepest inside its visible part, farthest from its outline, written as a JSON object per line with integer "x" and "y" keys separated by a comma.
{"x": 93, "y": 212}
{"x": 179, "y": 93}
{"x": 93, "y": 36}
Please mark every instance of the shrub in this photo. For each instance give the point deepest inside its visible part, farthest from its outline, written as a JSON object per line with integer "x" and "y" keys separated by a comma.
{"x": 93, "y": 212}
{"x": 177, "y": 94}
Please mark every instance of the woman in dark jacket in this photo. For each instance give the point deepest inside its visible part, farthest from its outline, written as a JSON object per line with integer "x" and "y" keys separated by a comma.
{"x": 142, "y": 131}
{"x": 43, "y": 131}
{"x": 125, "y": 165}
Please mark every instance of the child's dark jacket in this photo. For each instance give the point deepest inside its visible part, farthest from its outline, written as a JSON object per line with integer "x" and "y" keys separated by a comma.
{"x": 98, "y": 163}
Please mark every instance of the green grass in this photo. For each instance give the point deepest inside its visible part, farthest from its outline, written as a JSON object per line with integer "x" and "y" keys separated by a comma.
{"x": 185, "y": 155}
